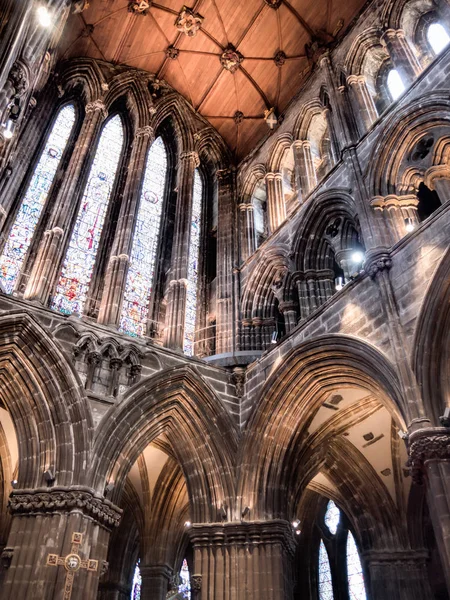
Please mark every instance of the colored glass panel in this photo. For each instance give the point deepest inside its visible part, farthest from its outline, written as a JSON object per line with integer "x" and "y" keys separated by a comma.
{"x": 325, "y": 580}
{"x": 142, "y": 261}
{"x": 184, "y": 589}
{"x": 30, "y": 210}
{"x": 137, "y": 583}
{"x": 355, "y": 577}
{"x": 332, "y": 517}
{"x": 73, "y": 286}
{"x": 194, "y": 248}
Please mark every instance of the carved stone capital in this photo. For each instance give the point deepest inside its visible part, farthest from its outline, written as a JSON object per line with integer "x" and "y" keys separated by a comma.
{"x": 196, "y": 583}
{"x": 426, "y": 445}
{"x": 64, "y": 499}
{"x": 190, "y": 155}
{"x": 144, "y": 131}
{"x": 6, "y": 557}
{"x": 96, "y": 106}
{"x": 377, "y": 262}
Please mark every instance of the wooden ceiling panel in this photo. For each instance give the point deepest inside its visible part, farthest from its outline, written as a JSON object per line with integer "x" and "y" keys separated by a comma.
{"x": 257, "y": 30}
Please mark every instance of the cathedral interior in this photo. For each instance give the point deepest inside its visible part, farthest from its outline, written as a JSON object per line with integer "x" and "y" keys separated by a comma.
{"x": 225, "y": 300}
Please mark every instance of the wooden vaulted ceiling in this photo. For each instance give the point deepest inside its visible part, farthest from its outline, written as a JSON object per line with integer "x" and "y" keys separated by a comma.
{"x": 270, "y": 35}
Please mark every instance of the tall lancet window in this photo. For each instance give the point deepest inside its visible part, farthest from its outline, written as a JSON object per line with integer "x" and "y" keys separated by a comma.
{"x": 194, "y": 248}
{"x": 73, "y": 285}
{"x": 142, "y": 261}
{"x": 325, "y": 580}
{"x": 30, "y": 210}
{"x": 355, "y": 577}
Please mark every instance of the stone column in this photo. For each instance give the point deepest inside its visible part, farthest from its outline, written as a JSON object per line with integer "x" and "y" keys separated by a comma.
{"x": 289, "y": 310}
{"x": 275, "y": 200}
{"x": 336, "y": 117}
{"x": 363, "y": 103}
{"x": 44, "y": 522}
{"x": 398, "y": 574}
{"x": 15, "y": 21}
{"x": 176, "y": 298}
{"x": 116, "y": 272}
{"x": 226, "y": 258}
{"x": 49, "y": 256}
{"x": 429, "y": 461}
{"x": 402, "y": 56}
{"x": 305, "y": 171}
{"x": 248, "y": 245}
{"x": 155, "y": 581}
{"x": 243, "y": 561}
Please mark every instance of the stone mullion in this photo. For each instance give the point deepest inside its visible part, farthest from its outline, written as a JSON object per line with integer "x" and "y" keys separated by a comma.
{"x": 275, "y": 201}
{"x": 49, "y": 256}
{"x": 402, "y": 56}
{"x": 226, "y": 258}
{"x": 176, "y": 299}
{"x": 248, "y": 235}
{"x": 365, "y": 109}
{"x": 116, "y": 272}
{"x": 304, "y": 166}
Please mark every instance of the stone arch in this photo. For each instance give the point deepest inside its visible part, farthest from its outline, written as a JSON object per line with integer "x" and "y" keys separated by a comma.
{"x": 44, "y": 396}
{"x": 289, "y": 395}
{"x": 180, "y": 403}
{"x": 431, "y": 354}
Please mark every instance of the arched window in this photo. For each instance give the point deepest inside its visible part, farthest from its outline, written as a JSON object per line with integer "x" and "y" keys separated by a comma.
{"x": 142, "y": 261}
{"x": 438, "y": 38}
{"x": 73, "y": 284}
{"x": 395, "y": 84}
{"x": 355, "y": 577}
{"x": 194, "y": 248}
{"x": 325, "y": 580}
{"x": 137, "y": 583}
{"x": 184, "y": 589}
{"x": 30, "y": 210}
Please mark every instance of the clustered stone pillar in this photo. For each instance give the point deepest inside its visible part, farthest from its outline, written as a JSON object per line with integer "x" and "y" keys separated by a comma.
{"x": 362, "y": 101}
{"x": 176, "y": 298}
{"x": 398, "y": 574}
{"x": 44, "y": 523}
{"x": 336, "y": 119}
{"x": 398, "y": 211}
{"x": 243, "y": 561}
{"x": 155, "y": 581}
{"x": 47, "y": 264}
{"x": 275, "y": 200}
{"x": 226, "y": 258}
{"x": 116, "y": 273}
{"x": 402, "y": 56}
{"x": 305, "y": 171}
{"x": 429, "y": 462}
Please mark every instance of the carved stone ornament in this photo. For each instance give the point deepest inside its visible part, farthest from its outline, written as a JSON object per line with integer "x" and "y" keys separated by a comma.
{"x": 376, "y": 264}
{"x": 19, "y": 78}
{"x": 80, "y": 5}
{"x": 273, "y": 3}
{"x": 172, "y": 52}
{"x": 88, "y": 30}
{"x": 104, "y": 568}
{"x": 238, "y": 117}
{"x": 425, "y": 445}
{"x": 188, "y": 21}
{"x": 139, "y": 7}
{"x": 96, "y": 105}
{"x": 6, "y": 557}
{"x": 279, "y": 58}
{"x": 196, "y": 583}
{"x": 231, "y": 59}
{"x": 25, "y": 502}
{"x": 271, "y": 118}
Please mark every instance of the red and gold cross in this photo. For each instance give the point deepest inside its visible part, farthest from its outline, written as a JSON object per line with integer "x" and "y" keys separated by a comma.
{"x": 72, "y": 563}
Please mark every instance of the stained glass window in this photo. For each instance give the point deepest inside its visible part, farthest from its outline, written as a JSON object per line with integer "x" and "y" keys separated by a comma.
{"x": 438, "y": 38}
{"x": 79, "y": 263}
{"x": 184, "y": 589}
{"x": 137, "y": 582}
{"x": 142, "y": 260}
{"x": 194, "y": 248}
{"x": 355, "y": 577}
{"x": 332, "y": 517}
{"x": 22, "y": 231}
{"x": 325, "y": 580}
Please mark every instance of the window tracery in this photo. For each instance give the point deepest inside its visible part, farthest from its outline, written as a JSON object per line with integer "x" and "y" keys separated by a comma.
{"x": 38, "y": 189}
{"x": 332, "y": 517}
{"x": 325, "y": 580}
{"x": 73, "y": 285}
{"x": 194, "y": 248}
{"x": 142, "y": 261}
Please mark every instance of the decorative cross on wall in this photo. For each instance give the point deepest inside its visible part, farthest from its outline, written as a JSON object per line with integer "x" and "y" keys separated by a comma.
{"x": 73, "y": 563}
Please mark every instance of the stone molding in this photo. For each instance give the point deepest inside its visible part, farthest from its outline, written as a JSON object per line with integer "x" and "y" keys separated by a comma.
{"x": 254, "y": 533}
{"x": 429, "y": 444}
{"x": 396, "y": 557}
{"x": 65, "y": 499}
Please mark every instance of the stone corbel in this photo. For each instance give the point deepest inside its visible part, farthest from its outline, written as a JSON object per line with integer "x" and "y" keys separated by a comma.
{"x": 425, "y": 445}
